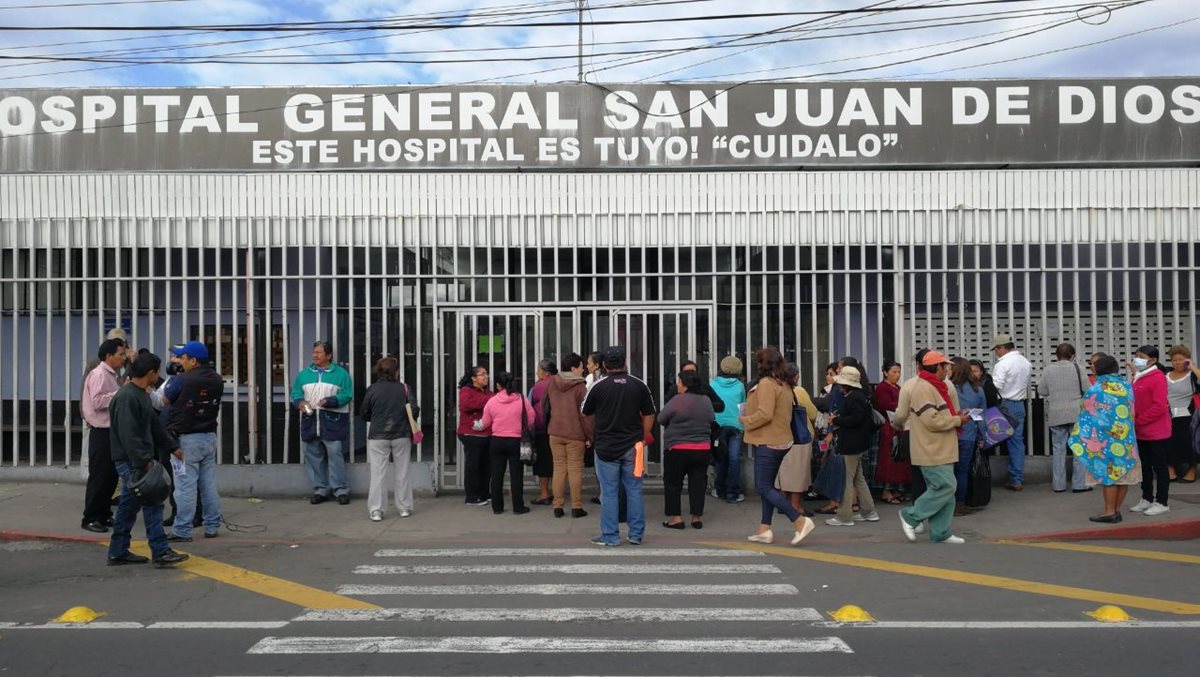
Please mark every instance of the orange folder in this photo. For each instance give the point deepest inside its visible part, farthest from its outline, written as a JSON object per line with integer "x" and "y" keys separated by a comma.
{"x": 639, "y": 459}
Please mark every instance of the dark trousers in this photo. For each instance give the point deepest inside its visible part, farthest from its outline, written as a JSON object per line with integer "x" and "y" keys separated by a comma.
{"x": 766, "y": 470}
{"x": 102, "y": 478}
{"x": 680, "y": 463}
{"x": 1154, "y": 469}
{"x": 1183, "y": 457}
{"x": 506, "y": 452}
{"x": 476, "y": 467}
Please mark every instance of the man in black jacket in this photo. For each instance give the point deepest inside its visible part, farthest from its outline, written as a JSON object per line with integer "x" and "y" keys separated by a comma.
{"x": 136, "y": 435}
{"x": 195, "y": 402}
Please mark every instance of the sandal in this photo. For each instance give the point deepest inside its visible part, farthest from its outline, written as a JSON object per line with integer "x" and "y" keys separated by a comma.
{"x": 893, "y": 500}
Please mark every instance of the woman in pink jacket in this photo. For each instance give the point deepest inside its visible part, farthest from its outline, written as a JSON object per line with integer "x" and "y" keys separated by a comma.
{"x": 508, "y": 414}
{"x": 1152, "y": 425}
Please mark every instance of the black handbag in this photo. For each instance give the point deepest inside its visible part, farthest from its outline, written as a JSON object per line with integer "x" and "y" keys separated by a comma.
{"x": 900, "y": 451}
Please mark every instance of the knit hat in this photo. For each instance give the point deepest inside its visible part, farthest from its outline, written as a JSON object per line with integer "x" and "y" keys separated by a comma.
{"x": 731, "y": 366}
{"x": 849, "y": 376}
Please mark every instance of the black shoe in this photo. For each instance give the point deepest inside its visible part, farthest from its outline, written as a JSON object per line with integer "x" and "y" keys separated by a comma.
{"x": 170, "y": 559}
{"x": 108, "y": 522}
{"x": 542, "y": 501}
{"x": 521, "y": 510}
{"x": 578, "y": 512}
{"x": 127, "y": 558}
{"x": 211, "y": 534}
{"x": 596, "y": 500}
{"x": 175, "y": 538}
{"x": 1106, "y": 519}
{"x": 198, "y": 522}
{"x": 1082, "y": 491}
{"x": 169, "y": 522}
{"x": 95, "y": 527}
{"x": 677, "y": 525}
{"x": 318, "y": 499}
{"x": 344, "y": 499}
{"x": 697, "y": 524}
{"x": 559, "y": 512}
{"x": 498, "y": 512}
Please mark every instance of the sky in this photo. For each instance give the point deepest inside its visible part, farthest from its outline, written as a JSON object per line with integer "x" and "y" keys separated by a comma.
{"x": 1034, "y": 38}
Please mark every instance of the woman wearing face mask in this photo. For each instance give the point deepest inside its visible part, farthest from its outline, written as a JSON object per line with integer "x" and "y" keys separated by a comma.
{"x": 1152, "y": 424}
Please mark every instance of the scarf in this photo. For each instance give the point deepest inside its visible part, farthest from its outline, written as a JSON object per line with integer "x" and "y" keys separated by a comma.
{"x": 942, "y": 389}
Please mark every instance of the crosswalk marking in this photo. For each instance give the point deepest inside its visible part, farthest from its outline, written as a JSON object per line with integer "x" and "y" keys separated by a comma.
{"x": 569, "y": 569}
{"x": 566, "y": 615}
{"x": 571, "y": 589}
{"x": 594, "y": 551}
{"x": 517, "y": 645}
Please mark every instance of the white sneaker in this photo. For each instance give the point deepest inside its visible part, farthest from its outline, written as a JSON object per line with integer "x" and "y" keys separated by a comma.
{"x": 714, "y": 494}
{"x": 954, "y": 540}
{"x": 835, "y": 522}
{"x": 765, "y": 537}
{"x": 909, "y": 532}
{"x": 919, "y": 529}
{"x": 376, "y": 515}
{"x": 1156, "y": 509}
{"x": 406, "y": 513}
{"x": 872, "y": 516}
{"x": 804, "y": 531}
{"x": 741, "y": 498}
{"x": 1141, "y": 506}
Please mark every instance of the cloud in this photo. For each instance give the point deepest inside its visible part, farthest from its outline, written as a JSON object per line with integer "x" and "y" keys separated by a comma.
{"x": 1163, "y": 52}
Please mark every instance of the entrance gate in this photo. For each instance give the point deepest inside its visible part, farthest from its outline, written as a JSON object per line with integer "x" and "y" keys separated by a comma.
{"x": 656, "y": 339}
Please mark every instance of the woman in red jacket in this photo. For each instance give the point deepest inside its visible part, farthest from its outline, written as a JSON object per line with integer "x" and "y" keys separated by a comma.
{"x": 473, "y": 395}
{"x": 1152, "y": 425}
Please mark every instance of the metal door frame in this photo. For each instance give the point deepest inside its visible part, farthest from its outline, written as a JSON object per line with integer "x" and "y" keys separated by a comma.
{"x": 443, "y": 382}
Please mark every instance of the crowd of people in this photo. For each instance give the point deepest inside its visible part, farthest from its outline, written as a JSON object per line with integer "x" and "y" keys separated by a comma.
{"x": 912, "y": 443}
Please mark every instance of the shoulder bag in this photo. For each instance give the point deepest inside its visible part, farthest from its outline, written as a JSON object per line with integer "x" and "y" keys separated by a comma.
{"x": 417, "y": 433}
{"x": 526, "y": 435}
{"x": 800, "y": 431}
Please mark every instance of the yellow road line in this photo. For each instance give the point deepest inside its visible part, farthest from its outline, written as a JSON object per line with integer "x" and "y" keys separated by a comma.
{"x": 1105, "y": 550}
{"x": 288, "y": 591}
{"x": 1002, "y": 582}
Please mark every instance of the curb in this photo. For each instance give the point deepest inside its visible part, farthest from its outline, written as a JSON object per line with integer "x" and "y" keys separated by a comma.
{"x": 14, "y": 535}
{"x": 1178, "y": 530}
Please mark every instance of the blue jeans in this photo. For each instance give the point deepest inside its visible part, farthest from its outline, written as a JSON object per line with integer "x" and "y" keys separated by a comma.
{"x": 127, "y": 511}
{"x": 729, "y": 473}
{"x": 1058, "y": 465}
{"x": 200, "y": 455}
{"x": 326, "y": 467}
{"x": 614, "y": 474}
{"x": 1016, "y": 443}
{"x": 966, "y": 452}
{"x": 766, "y": 470}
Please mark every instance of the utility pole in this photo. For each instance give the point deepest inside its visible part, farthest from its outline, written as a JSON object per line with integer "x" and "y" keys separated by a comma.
{"x": 580, "y": 73}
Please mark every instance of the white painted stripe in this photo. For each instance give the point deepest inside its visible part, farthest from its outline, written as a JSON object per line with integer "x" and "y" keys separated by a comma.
{"x": 569, "y": 589}
{"x": 217, "y": 625}
{"x": 595, "y": 551}
{"x": 517, "y": 645}
{"x": 564, "y": 615}
{"x": 569, "y": 569}
{"x": 94, "y": 625}
{"x": 1011, "y": 625}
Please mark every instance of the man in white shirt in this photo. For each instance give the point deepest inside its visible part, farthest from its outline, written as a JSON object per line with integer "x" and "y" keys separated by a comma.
{"x": 1011, "y": 375}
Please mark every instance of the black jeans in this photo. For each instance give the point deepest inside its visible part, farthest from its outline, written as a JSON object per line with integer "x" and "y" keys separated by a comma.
{"x": 476, "y": 467}
{"x": 680, "y": 463}
{"x": 506, "y": 451}
{"x": 102, "y": 478}
{"x": 1154, "y": 468}
{"x": 1182, "y": 455}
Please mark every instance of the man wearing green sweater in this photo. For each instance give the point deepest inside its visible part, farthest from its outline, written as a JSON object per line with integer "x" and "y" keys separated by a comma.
{"x": 322, "y": 393}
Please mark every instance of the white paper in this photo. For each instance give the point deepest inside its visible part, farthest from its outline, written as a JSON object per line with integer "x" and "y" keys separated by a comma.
{"x": 178, "y": 466}
{"x": 1179, "y": 412}
{"x": 976, "y": 414}
{"x": 891, "y": 415}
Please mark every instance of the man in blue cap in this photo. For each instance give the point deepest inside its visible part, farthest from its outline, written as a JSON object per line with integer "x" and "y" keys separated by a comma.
{"x": 195, "y": 402}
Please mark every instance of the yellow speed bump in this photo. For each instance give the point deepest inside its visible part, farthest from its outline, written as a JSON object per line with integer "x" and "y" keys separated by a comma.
{"x": 1110, "y": 614}
{"x": 851, "y": 614}
{"x": 77, "y": 614}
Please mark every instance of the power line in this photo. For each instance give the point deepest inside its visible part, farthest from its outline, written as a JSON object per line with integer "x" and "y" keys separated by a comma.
{"x": 374, "y": 25}
{"x": 90, "y": 4}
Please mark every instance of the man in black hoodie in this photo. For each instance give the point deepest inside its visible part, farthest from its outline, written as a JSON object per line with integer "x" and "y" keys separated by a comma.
{"x": 195, "y": 402}
{"x": 136, "y": 435}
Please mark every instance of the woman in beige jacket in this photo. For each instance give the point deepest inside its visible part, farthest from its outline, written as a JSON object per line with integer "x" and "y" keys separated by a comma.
{"x": 768, "y": 424}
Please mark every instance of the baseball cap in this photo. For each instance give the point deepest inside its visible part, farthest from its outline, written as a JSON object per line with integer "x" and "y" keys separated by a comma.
{"x": 614, "y": 357}
{"x": 1001, "y": 340}
{"x": 934, "y": 358}
{"x": 193, "y": 349}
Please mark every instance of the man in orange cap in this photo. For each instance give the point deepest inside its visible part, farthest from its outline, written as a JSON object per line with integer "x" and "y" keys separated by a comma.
{"x": 929, "y": 407}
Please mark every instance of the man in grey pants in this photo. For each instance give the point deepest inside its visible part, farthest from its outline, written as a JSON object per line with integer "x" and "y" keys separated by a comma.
{"x": 1062, "y": 385}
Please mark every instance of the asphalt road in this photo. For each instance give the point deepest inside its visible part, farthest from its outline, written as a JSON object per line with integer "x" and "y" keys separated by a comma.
{"x": 674, "y": 607}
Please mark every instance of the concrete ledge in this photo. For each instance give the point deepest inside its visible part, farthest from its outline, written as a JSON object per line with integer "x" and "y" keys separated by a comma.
{"x": 245, "y": 480}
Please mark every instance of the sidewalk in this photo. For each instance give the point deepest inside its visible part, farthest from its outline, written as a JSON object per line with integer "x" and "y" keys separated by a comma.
{"x": 32, "y": 510}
